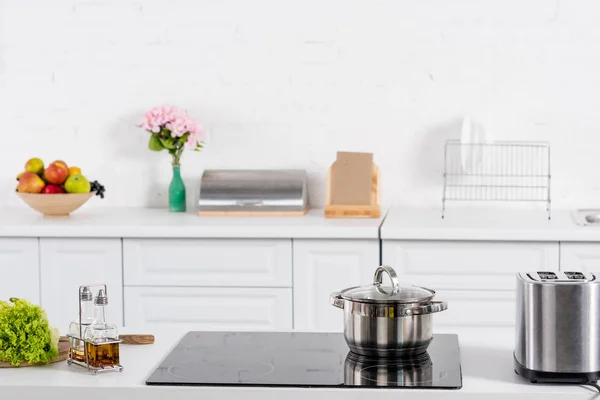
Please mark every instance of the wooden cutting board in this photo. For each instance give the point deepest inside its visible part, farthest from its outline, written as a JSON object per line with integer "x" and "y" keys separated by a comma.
{"x": 63, "y": 349}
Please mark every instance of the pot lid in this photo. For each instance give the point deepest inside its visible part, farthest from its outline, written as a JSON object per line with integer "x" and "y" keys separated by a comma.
{"x": 378, "y": 293}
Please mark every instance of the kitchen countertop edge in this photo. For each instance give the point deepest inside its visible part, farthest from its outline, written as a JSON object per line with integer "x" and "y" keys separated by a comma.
{"x": 159, "y": 223}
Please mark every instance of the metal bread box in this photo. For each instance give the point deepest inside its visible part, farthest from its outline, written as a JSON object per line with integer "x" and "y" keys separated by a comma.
{"x": 253, "y": 192}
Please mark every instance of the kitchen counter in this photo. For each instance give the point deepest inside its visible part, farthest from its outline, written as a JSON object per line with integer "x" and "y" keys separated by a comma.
{"x": 159, "y": 223}
{"x": 485, "y": 224}
{"x": 486, "y": 355}
{"x": 399, "y": 224}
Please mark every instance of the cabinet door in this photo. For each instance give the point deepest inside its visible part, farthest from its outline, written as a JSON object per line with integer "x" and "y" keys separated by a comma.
{"x": 19, "y": 269}
{"x": 68, "y": 263}
{"x": 477, "y": 279}
{"x": 580, "y": 257}
{"x": 208, "y": 262}
{"x": 258, "y": 309}
{"x": 477, "y": 308}
{"x": 325, "y": 266}
{"x": 468, "y": 265}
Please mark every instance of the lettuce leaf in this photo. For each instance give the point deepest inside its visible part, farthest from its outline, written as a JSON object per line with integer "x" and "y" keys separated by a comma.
{"x": 25, "y": 334}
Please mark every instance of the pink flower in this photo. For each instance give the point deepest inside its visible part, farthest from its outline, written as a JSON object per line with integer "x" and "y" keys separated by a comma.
{"x": 178, "y": 126}
{"x": 192, "y": 142}
{"x": 176, "y": 121}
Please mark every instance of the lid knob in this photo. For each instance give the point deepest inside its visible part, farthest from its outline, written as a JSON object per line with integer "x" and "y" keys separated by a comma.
{"x": 377, "y": 278}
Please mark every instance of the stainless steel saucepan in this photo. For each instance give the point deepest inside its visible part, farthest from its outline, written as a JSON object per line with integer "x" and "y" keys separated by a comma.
{"x": 384, "y": 321}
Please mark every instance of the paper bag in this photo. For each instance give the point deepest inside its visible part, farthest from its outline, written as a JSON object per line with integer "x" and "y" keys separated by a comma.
{"x": 351, "y": 178}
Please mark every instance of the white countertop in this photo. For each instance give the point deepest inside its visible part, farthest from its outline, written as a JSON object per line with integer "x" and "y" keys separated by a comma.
{"x": 399, "y": 224}
{"x": 486, "y": 356}
{"x": 159, "y": 223}
{"x": 486, "y": 224}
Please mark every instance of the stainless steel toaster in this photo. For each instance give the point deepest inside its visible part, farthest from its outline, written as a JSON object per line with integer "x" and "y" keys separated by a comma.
{"x": 558, "y": 326}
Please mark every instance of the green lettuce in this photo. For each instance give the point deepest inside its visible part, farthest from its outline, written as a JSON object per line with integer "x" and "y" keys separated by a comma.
{"x": 25, "y": 334}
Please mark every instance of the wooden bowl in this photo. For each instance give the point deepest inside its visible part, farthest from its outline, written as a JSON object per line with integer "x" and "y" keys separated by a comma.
{"x": 55, "y": 205}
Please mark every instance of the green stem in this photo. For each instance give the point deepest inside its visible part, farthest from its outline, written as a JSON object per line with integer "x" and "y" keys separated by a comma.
{"x": 176, "y": 155}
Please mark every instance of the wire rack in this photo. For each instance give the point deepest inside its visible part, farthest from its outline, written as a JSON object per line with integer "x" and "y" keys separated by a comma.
{"x": 497, "y": 171}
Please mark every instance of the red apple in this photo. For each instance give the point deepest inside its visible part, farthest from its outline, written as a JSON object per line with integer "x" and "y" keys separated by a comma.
{"x": 30, "y": 182}
{"x": 61, "y": 163}
{"x": 56, "y": 173}
{"x": 53, "y": 189}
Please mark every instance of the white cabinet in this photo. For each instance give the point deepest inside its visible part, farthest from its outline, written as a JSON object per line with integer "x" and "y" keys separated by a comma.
{"x": 490, "y": 308}
{"x": 325, "y": 266}
{"x": 208, "y": 262}
{"x": 258, "y": 309}
{"x": 580, "y": 257}
{"x": 477, "y": 279}
{"x": 209, "y": 284}
{"x": 67, "y": 263}
{"x": 468, "y": 265}
{"x": 19, "y": 269}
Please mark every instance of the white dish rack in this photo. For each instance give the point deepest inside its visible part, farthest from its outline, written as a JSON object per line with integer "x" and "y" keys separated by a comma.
{"x": 497, "y": 172}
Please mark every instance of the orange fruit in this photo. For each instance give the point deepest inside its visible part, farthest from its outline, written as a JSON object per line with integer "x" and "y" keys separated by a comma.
{"x": 74, "y": 170}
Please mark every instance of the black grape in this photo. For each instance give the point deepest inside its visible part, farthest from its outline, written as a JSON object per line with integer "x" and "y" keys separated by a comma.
{"x": 98, "y": 188}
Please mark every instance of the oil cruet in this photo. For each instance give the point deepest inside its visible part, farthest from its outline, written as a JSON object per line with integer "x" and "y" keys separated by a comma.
{"x": 94, "y": 343}
{"x": 76, "y": 344}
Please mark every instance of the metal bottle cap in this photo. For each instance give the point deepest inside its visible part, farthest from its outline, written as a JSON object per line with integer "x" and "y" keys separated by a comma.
{"x": 85, "y": 294}
{"x": 101, "y": 299}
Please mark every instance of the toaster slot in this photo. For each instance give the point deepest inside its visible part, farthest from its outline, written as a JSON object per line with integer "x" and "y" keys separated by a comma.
{"x": 575, "y": 275}
{"x": 547, "y": 275}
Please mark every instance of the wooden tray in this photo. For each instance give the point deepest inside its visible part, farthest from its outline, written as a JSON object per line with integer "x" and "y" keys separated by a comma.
{"x": 63, "y": 354}
{"x": 254, "y": 213}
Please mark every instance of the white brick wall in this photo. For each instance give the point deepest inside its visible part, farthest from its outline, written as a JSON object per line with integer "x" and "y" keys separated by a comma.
{"x": 287, "y": 83}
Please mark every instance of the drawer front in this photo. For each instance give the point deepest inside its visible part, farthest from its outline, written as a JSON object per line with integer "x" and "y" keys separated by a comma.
{"x": 209, "y": 308}
{"x": 468, "y": 265}
{"x": 208, "y": 262}
{"x": 20, "y": 269}
{"x": 476, "y": 308}
{"x": 580, "y": 257}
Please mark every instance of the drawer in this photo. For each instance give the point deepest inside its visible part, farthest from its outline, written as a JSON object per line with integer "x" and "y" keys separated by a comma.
{"x": 580, "y": 257}
{"x": 207, "y": 262}
{"x": 209, "y": 308}
{"x": 468, "y": 265}
{"x": 476, "y": 308}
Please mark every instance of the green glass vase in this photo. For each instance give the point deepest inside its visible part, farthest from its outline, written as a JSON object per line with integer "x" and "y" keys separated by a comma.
{"x": 176, "y": 192}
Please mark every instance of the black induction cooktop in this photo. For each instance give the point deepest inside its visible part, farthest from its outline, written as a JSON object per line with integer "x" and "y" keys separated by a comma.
{"x": 302, "y": 360}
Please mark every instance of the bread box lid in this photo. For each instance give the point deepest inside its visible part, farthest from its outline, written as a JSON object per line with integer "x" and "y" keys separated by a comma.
{"x": 254, "y": 190}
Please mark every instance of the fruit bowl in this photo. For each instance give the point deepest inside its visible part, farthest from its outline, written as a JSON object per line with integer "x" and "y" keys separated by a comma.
{"x": 55, "y": 205}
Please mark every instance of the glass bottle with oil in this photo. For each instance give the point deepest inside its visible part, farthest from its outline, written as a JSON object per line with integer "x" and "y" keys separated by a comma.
{"x": 76, "y": 331}
{"x": 102, "y": 338}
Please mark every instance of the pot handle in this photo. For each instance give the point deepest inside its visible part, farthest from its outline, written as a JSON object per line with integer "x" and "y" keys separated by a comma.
{"x": 433, "y": 307}
{"x": 336, "y": 300}
{"x": 377, "y": 278}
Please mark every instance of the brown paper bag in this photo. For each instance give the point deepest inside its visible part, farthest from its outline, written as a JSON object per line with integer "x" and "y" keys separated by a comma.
{"x": 351, "y": 176}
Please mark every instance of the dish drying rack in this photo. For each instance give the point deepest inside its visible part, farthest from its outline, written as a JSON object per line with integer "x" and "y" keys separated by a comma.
{"x": 497, "y": 171}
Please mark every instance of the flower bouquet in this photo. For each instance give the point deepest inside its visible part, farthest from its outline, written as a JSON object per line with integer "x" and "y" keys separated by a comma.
{"x": 173, "y": 130}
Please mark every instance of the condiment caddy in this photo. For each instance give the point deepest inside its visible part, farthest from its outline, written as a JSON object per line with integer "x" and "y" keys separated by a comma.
{"x": 93, "y": 342}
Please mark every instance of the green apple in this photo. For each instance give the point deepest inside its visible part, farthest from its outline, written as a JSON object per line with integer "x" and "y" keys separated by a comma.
{"x": 77, "y": 184}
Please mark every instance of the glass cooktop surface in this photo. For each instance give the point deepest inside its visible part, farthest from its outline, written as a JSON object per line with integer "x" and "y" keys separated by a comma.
{"x": 302, "y": 360}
